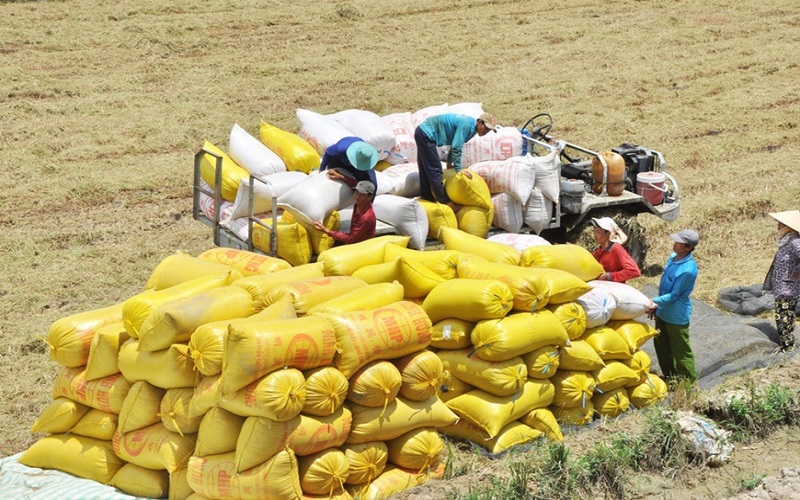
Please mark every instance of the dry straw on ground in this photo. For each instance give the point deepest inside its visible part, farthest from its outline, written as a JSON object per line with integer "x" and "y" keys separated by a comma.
{"x": 104, "y": 103}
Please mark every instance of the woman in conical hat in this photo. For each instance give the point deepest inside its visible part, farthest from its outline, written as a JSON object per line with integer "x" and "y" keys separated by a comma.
{"x": 783, "y": 278}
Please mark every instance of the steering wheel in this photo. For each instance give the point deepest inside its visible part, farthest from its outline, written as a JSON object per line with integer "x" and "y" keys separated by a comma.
{"x": 536, "y": 128}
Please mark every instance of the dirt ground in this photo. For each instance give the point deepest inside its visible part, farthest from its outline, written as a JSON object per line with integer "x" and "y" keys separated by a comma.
{"x": 776, "y": 459}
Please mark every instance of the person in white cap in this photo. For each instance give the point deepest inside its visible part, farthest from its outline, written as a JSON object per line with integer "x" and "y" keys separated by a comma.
{"x": 363, "y": 221}
{"x": 783, "y": 277}
{"x": 350, "y": 160}
{"x": 617, "y": 263}
{"x": 672, "y": 309}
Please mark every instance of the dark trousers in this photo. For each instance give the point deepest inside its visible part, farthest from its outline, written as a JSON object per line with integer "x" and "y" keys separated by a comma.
{"x": 673, "y": 350}
{"x": 431, "y": 186}
{"x": 784, "y": 322}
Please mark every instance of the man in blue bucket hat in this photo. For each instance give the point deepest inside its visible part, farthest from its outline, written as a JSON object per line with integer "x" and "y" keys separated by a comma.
{"x": 350, "y": 160}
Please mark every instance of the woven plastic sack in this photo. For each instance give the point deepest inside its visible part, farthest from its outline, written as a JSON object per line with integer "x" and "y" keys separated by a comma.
{"x": 181, "y": 267}
{"x": 513, "y": 176}
{"x": 577, "y": 415}
{"x": 279, "y": 396}
{"x": 538, "y": 211}
{"x": 648, "y": 393}
{"x": 69, "y": 339}
{"x": 571, "y": 258}
{"x": 607, "y": 343}
{"x": 345, "y": 259}
{"x": 508, "y": 214}
{"x": 517, "y": 334}
{"x": 140, "y": 482}
{"x": 293, "y": 243}
{"x": 258, "y": 286}
{"x": 155, "y": 447}
{"x": 59, "y": 416}
{"x": 439, "y": 217}
{"x": 512, "y": 434}
{"x": 394, "y": 480}
{"x": 215, "y": 476}
{"x": 308, "y": 293}
{"x": 611, "y": 403}
{"x": 579, "y": 355}
{"x": 506, "y": 142}
{"x": 635, "y": 333}
{"x": 406, "y": 215}
{"x": 218, "y": 432}
{"x": 464, "y": 190}
{"x": 452, "y": 387}
{"x": 326, "y": 390}
{"x": 442, "y": 262}
{"x": 175, "y": 411}
{"x": 455, "y": 239}
{"x": 518, "y": 241}
{"x": 572, "y": 317}
{"x": 316, "y": 197}
{"x": 249, "y": 263}
{"x": 543, "y": 362}
{"x": 324, "y": 472}
{"x": 400, "y": 416}
{"x": 252, "y": 155}
{"x": 77, "y": 455}
{"x": 452, "y": 333}
{"x": 469, "y": 299}
{"x": 598, "y": 305}
{"x": 368, "y": 126}
{"x": 105, "y": 393}
{"x": 232, "y": 173}
{"x": 366, "y": 461}
{"x": 420, "y": 449}
{"x": 476, "y": 221}
{"x": 572, "y": 388}
{"x": 631, "y": 303}
{"x": 297, "y": 154}
{"x": 500, "y": 378}
{"x": 168, "y": 368}
{"x": 375, "y": 384}
{"x": 320, "y": 131}
{"x": 640, "y": 362}
{"x": 706, "y": 440}
{"x": 140, "y": 407}
{"x": 97, "y": 424}
{"x": 416, "y": 279}
{"x": 405, "y": 148}
{"x": 104, "y": 351}
{"x": 613, "y": 376}
{"x": 369, "y": 297}
{"x": 421, "y": 374}
{"x": 542, "y": 419}
{"x": 205, "y": 395}
{"x": 528, "y": 286}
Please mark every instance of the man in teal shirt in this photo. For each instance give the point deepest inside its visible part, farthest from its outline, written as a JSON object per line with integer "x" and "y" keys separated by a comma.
{"x": 448, "y": 129}
{"x": 672, "y": 309}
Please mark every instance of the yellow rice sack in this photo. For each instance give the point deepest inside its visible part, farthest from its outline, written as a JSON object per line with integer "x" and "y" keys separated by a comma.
{"x": 452, "y": 387}
{"x": 468, "y": 299}
{"x": 369, "y": 297}
{"x": 179, "y": 485}
{"x": 579, "y": 355}
{"x": 542, "y": 419}
{"x": 174, "y": 322}
{"x": 218, "y": 432}
{"x": 155, "y": 447}
{"x": 258, "y": 286}
{"x": 573, "y": 259}
{"x": 452, "y": 333}
{"x": 578, "y": 415}
{"x": 141, "y": 407}
{"x": 69, "y": 339}
{"x": 648, "y": 393}
{"x": 640, "y": 362}
{"x": 215, "y": 476}
{"x": 420, "y": 449}
{"x": 399, "y": 417}
{"x": 205, "y": 395}
{"x": 140, "y": 482}
{"x": 383, "y": 333}
{"x": 175, "y": 411}
{"x": 393, "y": 480}
{"x": 562, "y": 286}
{"x": 279, "y": 396}
{"x": 308, "y": 293}
{"x": 455, "y": 239}
{"x": 375, "y": 384}
{"x": 345, "y": 259}
{"x": 607, "y": 343}
{"x": 105, "y": 393}
{"x": 613, "y": 376}
{"x": 421, "y": 375}
{"x": 439, "y": 217}
{"x": 416, "y": 279}
{"x": 60, "y": 416}
{"x": 529, "y": 289}
{"x": 261, "y": 438}
{"x": 491, "y": 413}
{"x": 442, "y": 262}
{"x": 248, "y": 263}
{"x": 324, "y": 472}
{"x": 572, "y": 317}
{"x": 542, "y": 362}
{"x": 476, "y": 221}
{"x": 104, "y": 351}
{"x": 137, "y": 308}
{"x": 97, "y": 424}
{"x": 320, "y": 241}
{"x": 253, "y": 350}
{"x": 181, "y": 267}
{"x": 296, "y": 152}
{"x": 517, "y": 334}
{"x": 634, "y": 333}
{"x": 572, "y": 388}
{"x": 326, "y": 390}
{"x": 501, "y": 378}
{"x": 612, "y": 403}
{"x": 232, "y": 174}
{"x": 512, "y": 434}
{"x": 293, "y": 243}
{"x": 168, "y": 368}
{"x": 472, "y": 190}
{"x": 77, "y": 455}
{"x": 208, "y": 340}
{"x": 366, "y": 461}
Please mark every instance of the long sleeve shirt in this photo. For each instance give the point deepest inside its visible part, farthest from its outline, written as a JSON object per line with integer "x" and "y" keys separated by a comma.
{"x": 677, "y": 283}
{"x": 616, "y": 262}
{"x": 452, "y": 130}
{"x": 783, "y": 278}
{"x": 336, "y": 157}
{"x": 362, "y": 227}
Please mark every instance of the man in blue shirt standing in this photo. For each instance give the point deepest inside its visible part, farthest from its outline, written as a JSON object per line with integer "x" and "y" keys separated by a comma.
{"x": 448, "y": 129}
{"x": 672, "y": 309}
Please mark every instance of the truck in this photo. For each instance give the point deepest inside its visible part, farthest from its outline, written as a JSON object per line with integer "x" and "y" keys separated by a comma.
{"x": 584, "y": 195}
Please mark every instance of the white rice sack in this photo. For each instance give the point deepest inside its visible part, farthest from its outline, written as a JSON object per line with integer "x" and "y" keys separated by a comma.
{"x": 278, "y": 185}
{"x": 537, "y": 211}
{"x": 420, "y": 115}
{"x": 405, "y": 178}
{"x": 548, "y": 178}
{"x": 241, "y": 228}
{"x": 507, "y": 212}
{"x": 500, "y": 145}
{"x": 315, "y": 197}
{"x": 385, "y": 183}
{"x": 473, "y": 109}
{"x": 319, "y": 130}
{"x": 598, "y": 305}
{"x": 405, "y": 147}
{"x": 207, "y": 203}
{"x": 631, "y": 303}
{"x": 252, "y": 155}
{"x": 514, "y": 176}
{"x": 369, "y": 127}
{"x": 519, "y": 241}
{"x": 406, "y": 215}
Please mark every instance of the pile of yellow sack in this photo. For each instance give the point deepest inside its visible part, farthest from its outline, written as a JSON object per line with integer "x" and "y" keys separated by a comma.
{"x": 237, "y": 375}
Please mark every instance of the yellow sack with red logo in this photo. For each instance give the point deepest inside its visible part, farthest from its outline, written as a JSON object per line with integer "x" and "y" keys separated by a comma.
{"x": 344, "y": 260}
{"x": 181, "y": 267}
{"x": 168, "y": 368}
{"x": 141, "y": 407}
{"x": 517, "y": 334}
{"x": 70, "y": 338}
{"x": 375, "y": 384}
{"x": 249, "y": 263}
{"x": 455, "y": 239}
{"x": 215, "y": 476}
{"x": 105, "y": 393}
{"x": 279, "y": 396}
{"x": 155, "y": 447}
{"x": 369, "y": 297}
{"x": 573, "y": 259}
{"x": 205, "y": 395}
{"x": 442, "y": 262}
{"x": 308, "y": 293}
{"x": 258, "y": 286}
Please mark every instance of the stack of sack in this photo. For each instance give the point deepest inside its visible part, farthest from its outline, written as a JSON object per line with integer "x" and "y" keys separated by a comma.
{"x": 511, "y": 190}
